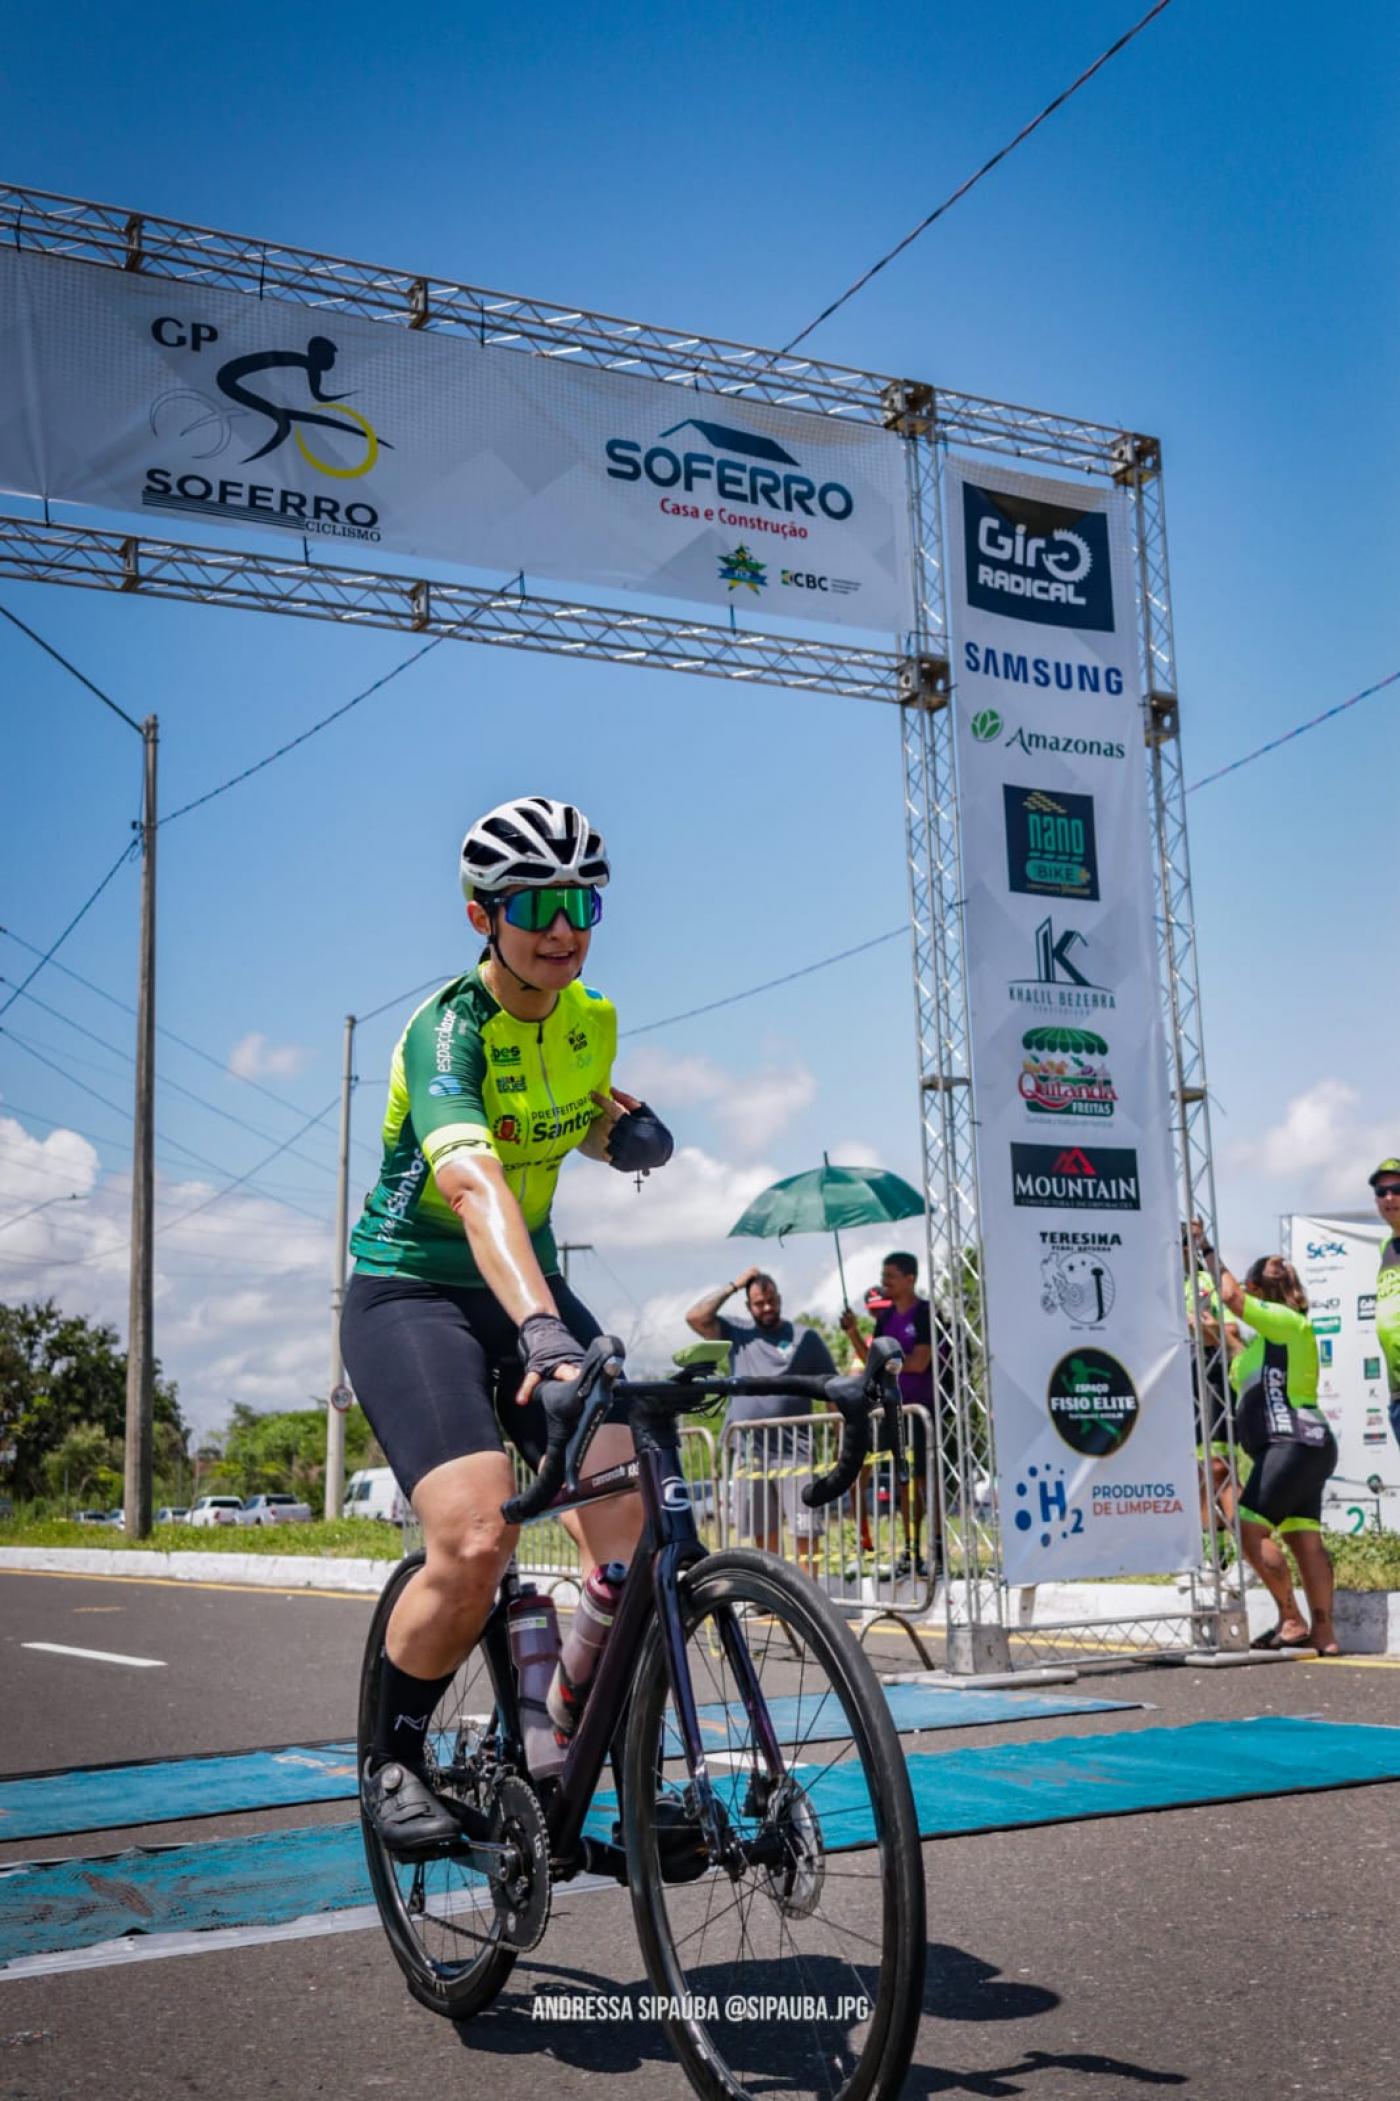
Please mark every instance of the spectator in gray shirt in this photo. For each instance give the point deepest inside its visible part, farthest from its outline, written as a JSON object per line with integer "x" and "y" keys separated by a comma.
{"x": 765, "y": 1344}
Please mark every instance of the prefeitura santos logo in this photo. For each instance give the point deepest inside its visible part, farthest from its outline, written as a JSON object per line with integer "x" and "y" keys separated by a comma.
{"x": 1031, "y": 560}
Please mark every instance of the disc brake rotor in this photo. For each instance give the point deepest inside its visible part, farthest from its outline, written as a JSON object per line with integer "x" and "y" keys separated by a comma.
{"x": 795, "y": 1882}
{"x": 521, "y": 1887}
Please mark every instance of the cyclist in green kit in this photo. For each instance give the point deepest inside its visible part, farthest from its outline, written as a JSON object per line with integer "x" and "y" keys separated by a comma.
{"x": 1279, "y": 1423}
{"x": 1385, "y": 1186}
{"x": 496, "y": 1080}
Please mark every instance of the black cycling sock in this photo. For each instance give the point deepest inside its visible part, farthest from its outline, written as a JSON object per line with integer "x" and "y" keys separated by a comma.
{"x": 405, "y": 1709}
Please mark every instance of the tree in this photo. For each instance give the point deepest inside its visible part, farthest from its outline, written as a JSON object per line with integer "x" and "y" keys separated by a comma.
{"x": 58, "y": 1373}
{"x": 285, "y": 1450}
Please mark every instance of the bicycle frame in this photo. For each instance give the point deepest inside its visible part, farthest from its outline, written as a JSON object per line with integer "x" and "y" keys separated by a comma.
{"x": 669, "y": 1544}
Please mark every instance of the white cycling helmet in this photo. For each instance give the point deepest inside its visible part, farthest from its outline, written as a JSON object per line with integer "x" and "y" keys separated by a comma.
{"x": 530, "y": 843}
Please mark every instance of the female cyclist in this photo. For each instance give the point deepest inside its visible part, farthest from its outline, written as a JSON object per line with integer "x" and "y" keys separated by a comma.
{"x": 495, "y": 1080}
{"x": 1279, "y": 1424}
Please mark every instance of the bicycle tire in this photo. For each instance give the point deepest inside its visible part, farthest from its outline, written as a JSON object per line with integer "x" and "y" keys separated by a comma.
{"x": 856, "y": 1800}
{"x": 429, "y": 1909}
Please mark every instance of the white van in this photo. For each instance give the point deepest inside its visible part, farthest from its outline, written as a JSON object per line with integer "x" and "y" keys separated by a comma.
{"x": 373, "y": 1492}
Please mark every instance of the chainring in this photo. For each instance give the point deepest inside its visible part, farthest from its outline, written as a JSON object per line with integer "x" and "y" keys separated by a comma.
{"x": 521, "y": 1893}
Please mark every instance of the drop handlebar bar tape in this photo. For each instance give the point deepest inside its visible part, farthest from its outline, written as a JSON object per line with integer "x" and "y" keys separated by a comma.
{"x": 567, "y": 1417}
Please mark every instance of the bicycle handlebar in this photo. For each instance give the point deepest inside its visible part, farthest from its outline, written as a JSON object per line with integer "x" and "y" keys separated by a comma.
{"x": 574, "y": 1408}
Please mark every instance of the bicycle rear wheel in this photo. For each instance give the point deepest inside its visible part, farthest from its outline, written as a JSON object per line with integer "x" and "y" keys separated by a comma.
{"x": 797, "y": 1969}
{"x": 438, "y": 1914}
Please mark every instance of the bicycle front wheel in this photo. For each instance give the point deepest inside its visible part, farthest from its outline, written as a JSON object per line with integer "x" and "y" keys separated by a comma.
{"x": 793, "y": 1965}
{"x": 438, "y": 1914}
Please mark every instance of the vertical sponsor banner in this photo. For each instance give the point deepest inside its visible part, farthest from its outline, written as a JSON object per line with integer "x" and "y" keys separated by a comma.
{"x": 1090, "y": 1374}
{"x": 1337, "y": 1258}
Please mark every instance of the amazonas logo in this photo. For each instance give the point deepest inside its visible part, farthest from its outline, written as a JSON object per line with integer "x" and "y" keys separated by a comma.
{"x": 1032, "y": 560}
{"x": 987, "y": 726}
{"x": 735, "y": 467}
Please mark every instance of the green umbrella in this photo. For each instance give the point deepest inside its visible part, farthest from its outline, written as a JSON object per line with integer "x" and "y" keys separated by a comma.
{"x": 823, "y": 1200}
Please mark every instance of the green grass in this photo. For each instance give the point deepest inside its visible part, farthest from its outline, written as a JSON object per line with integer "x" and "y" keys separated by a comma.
{"x": 342, "y": 1538}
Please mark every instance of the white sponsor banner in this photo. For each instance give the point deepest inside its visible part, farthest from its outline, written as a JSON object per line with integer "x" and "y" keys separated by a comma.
{"x": 176, "y": 402}
{"x": 1337, "y": 1257}
{"x": 1090, "y": 1376}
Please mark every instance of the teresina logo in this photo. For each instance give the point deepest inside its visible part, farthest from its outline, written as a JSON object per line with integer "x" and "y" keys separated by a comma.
{"x": 739, "y": 465}
{"x": 1045, "y": 1178}
{"x": 1032, "y": 560}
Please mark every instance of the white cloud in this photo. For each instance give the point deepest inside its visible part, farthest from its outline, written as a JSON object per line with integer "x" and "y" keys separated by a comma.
{"x": 750, "y": 1109}
{"x": 242, "y": 1291}
{"x": 692, "y": 1201}
{"x": 1320, "y": 1146}
{"x": 254, "y": 1058}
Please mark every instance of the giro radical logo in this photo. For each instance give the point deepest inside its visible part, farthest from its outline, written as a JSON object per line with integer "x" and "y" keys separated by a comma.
{"x": 1093, "y": 1403}
{"x": 1051, "y": 850}
{"x": 1079, "y": 1285}
{"x": 1045, "y": 1178}
{"x": 1059, "y": 985}
{"x": 1032, "y": 560}
{"x": 262, "y": 401}
{"x": 718, "y": 467}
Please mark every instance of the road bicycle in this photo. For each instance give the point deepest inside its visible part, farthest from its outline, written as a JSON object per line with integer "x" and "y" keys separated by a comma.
{"x": 759, "y": 1812}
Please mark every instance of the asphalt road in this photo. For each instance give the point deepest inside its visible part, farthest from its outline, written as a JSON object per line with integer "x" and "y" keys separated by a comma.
{"x": 1210, "y": 1953}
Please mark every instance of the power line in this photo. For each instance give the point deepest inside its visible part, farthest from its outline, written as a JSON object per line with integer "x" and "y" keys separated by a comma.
{"x": 176, "y": 1144}
{"x": 399, "y": 998}
{"x": 238, "y": 1182}
{"x": 82, "y": 678}
{"x": 1288, "y": 735}
{"x": 986, "y": 169}
{"x": 768, "y": 985}
{"x": 315, "y": 729}
{"x": 242, "y": 1123}
{"x": 127, "y": 853}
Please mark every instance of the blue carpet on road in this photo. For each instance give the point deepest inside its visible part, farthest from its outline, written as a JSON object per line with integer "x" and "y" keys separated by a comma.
{"x": 265, "y": 1881}
{"x": 103, "y": 1798}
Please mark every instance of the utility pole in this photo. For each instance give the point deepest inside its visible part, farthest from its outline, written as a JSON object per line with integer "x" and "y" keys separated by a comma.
{"x": 572, "y": 1247}
{"x": 140, "y": 1349}
{"x": 335, "y": 1417}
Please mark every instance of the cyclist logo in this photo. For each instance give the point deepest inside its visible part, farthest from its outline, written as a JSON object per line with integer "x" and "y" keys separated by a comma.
{"x": 189, "y": 415}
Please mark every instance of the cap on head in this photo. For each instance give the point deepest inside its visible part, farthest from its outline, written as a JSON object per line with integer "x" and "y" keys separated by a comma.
{"x": 1387, "y": 1167}
{"x": 530, "y": 843}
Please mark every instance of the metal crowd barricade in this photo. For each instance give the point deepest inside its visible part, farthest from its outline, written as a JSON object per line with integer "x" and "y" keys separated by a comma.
{"x": 764, "y": 1465}
{"x": 546, "y": 1555}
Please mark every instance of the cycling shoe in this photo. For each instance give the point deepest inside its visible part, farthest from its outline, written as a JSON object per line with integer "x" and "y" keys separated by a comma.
{"x": 407, "y": 1816}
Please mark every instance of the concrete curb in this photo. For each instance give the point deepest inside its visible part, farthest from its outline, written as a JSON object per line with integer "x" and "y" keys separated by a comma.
{"x": 259, "y": 1571}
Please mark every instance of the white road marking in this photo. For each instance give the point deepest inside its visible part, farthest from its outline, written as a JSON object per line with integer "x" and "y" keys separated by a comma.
{"x": 58, "y": 1648}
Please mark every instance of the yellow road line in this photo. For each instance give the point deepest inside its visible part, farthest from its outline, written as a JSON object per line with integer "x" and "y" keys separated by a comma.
{"x": 266, "y": 1590}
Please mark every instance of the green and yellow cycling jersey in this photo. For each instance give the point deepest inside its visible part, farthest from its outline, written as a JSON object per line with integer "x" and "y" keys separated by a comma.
{"x": 1388, "y": 1311}
{"x": 467, "y": 1077}
{"x": 1276, "y": 1371}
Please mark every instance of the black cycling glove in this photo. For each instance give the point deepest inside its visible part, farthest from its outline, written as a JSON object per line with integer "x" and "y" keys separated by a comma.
{"x": 545, "y": 1344}
{"x": 639, "y": 1141}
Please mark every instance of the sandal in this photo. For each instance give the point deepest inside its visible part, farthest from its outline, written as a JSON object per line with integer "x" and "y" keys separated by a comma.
{"x": 1269, "y": 1639}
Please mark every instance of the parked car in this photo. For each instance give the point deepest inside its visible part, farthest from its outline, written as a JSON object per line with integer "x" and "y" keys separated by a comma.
{"x": 170, "y": 1514}
{"x": 275, "y": 1510}
{"x": 117, "y": 1518}
{"x": 373, "y": 1492}
{"x": 89, "y": 1517}
{"x": 217, "y": 1510}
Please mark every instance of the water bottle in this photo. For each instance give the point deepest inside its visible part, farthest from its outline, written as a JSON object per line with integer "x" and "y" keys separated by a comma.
{"x": 534, "y": 1647}
{"x": 583, "y": 1645}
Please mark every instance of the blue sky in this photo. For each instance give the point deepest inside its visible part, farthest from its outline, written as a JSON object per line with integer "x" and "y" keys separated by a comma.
{"x": 1197, "y": 246}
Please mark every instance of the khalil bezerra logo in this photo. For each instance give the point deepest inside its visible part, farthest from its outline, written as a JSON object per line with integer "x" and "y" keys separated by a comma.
{"x": 1032, "y": 560}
